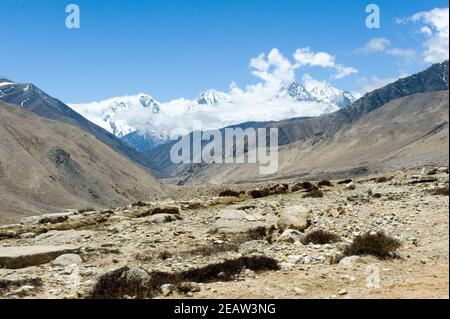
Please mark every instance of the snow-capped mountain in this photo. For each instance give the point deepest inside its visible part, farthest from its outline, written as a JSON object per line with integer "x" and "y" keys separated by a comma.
{"x": 144, "y": 123}
{"x": 212, "y": 97}
{"x": 315, "y": 91}
{"x": 116, "y": 114}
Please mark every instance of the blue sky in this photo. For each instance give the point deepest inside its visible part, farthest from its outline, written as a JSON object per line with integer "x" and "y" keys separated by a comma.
{"x": 172, "y": 49}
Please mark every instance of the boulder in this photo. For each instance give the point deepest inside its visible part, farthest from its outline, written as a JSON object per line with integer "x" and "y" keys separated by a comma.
{"x": 67, "y": 260}
{"x": 290, "y": 236}
{"x": 26, "y": 256}
{"x": 350, "y": 186}
{"x": 167, "y": 289}
{"x": 161, "y": 218}
{"x": 294, "y": 217}
{"x": 230, "y": 221}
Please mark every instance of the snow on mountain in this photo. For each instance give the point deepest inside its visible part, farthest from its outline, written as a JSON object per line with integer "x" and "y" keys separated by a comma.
{"x": 144, "y": 123}
{"x": 212, "y": 97}
{"x": 316, "y": 91}
{"x": 116, "y": 114}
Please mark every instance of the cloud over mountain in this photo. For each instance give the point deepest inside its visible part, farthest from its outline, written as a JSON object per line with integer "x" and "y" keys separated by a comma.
{"x": 435, "y": 28}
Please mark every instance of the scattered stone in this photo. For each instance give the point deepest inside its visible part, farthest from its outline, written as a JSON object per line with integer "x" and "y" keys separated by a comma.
{"x": 253, "y": 247}
{"x": 119, "y": 228}
{"x": 342, "y": 292}
{"x": 188, "y": 287}
{"x": 429, "y": 171}
{"x": 161, "y": 218}
{"x": 18, "y": 280}
{"x": 27, "y": 235}
{"x": 167, "y": 289}
{"x": 349, "y": 260}
{"x": 399, "y": 175}
{"x": 26, "y": 256}
{"x": 231, "y": 221}
{"x": 317, "y": 193}
{"x": 336, "y": 212}
{"x": 350, "y": 186}
{"x": 67, "y": 260}
{"x": 291, "y": 236}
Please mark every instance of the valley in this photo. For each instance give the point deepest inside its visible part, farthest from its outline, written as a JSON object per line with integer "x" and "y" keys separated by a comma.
{"x": 228, "y": 242}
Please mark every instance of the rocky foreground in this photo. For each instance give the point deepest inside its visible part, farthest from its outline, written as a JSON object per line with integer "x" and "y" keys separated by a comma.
{"x": 292, "y": 240}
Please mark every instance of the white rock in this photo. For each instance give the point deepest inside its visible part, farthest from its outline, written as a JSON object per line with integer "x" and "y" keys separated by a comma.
{"x": 167, "y": 289}
{"x": 294, "y": 217}
{"x": 25, "y": 256}
{"x": 68, "y": 259}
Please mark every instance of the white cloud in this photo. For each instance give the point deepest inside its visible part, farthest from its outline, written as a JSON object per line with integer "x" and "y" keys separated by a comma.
{"x": 306, "y": 57}
{"x": 375, "y": 45}
{"x": 436, "y": 29}
{"x": 381, "y": 45}
{"x": 274, "y": 69}
{"x": 264, "y": 101}
{"x": 373, "y": 83}
{"x": 404, "y": 53}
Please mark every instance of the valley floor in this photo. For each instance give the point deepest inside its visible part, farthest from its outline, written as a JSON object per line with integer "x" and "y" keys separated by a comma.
{"x": 72, "y": 255}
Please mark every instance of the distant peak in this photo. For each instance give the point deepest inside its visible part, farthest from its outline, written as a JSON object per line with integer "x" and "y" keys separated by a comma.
{"x": 211, "y": 97}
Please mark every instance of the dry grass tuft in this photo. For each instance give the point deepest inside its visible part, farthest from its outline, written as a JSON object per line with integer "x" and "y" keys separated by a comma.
{"x": 320, "y": 237}
{"x": 379, "y": 245}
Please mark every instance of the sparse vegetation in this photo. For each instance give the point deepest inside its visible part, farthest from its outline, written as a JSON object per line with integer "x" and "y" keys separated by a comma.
{"x": 379, "y": 245}
{"x": 323, "y": 183}
{"x": 229, "y": 193}
{"x": 320, "y": 237}
{"x": 124, "y": 282}
{"x": 273, "y": 190}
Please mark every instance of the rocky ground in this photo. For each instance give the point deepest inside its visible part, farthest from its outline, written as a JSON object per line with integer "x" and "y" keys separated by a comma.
{"x": 242, "y": 241}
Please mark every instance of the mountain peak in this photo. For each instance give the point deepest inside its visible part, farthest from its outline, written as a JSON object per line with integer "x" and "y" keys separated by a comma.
{"x": 211, "y": 97}
{"x": 315, "y": 91}
{"x": 148, "y": 102}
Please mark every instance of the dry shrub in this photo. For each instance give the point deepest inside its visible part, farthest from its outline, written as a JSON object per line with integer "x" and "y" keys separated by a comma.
{"x": 379, "y": 245}
{"x": 320, "y": 237}
{"x": 125, "y": 282}
{"x": 229, "y": 193}
{"x": 439, "y": 191}
{"x": 272, "y": 190}
{"x": 324, "y": 183}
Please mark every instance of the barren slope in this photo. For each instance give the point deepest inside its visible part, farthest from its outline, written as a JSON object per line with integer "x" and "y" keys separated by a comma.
{"x": 404, "y": 133}
{"x": 47, "y": 166}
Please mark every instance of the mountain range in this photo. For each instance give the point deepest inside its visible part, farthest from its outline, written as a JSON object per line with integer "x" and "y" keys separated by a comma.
{"x": 53, "y": 158}
{"x": 119, "y": 115}
{"x": 410, "y": 112}
{"x": 33, "y": 99}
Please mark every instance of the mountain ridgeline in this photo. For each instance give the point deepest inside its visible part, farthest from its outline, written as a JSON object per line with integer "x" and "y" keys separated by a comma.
{"x": 31, "y": 98}
{"x": 315, "y": 132}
